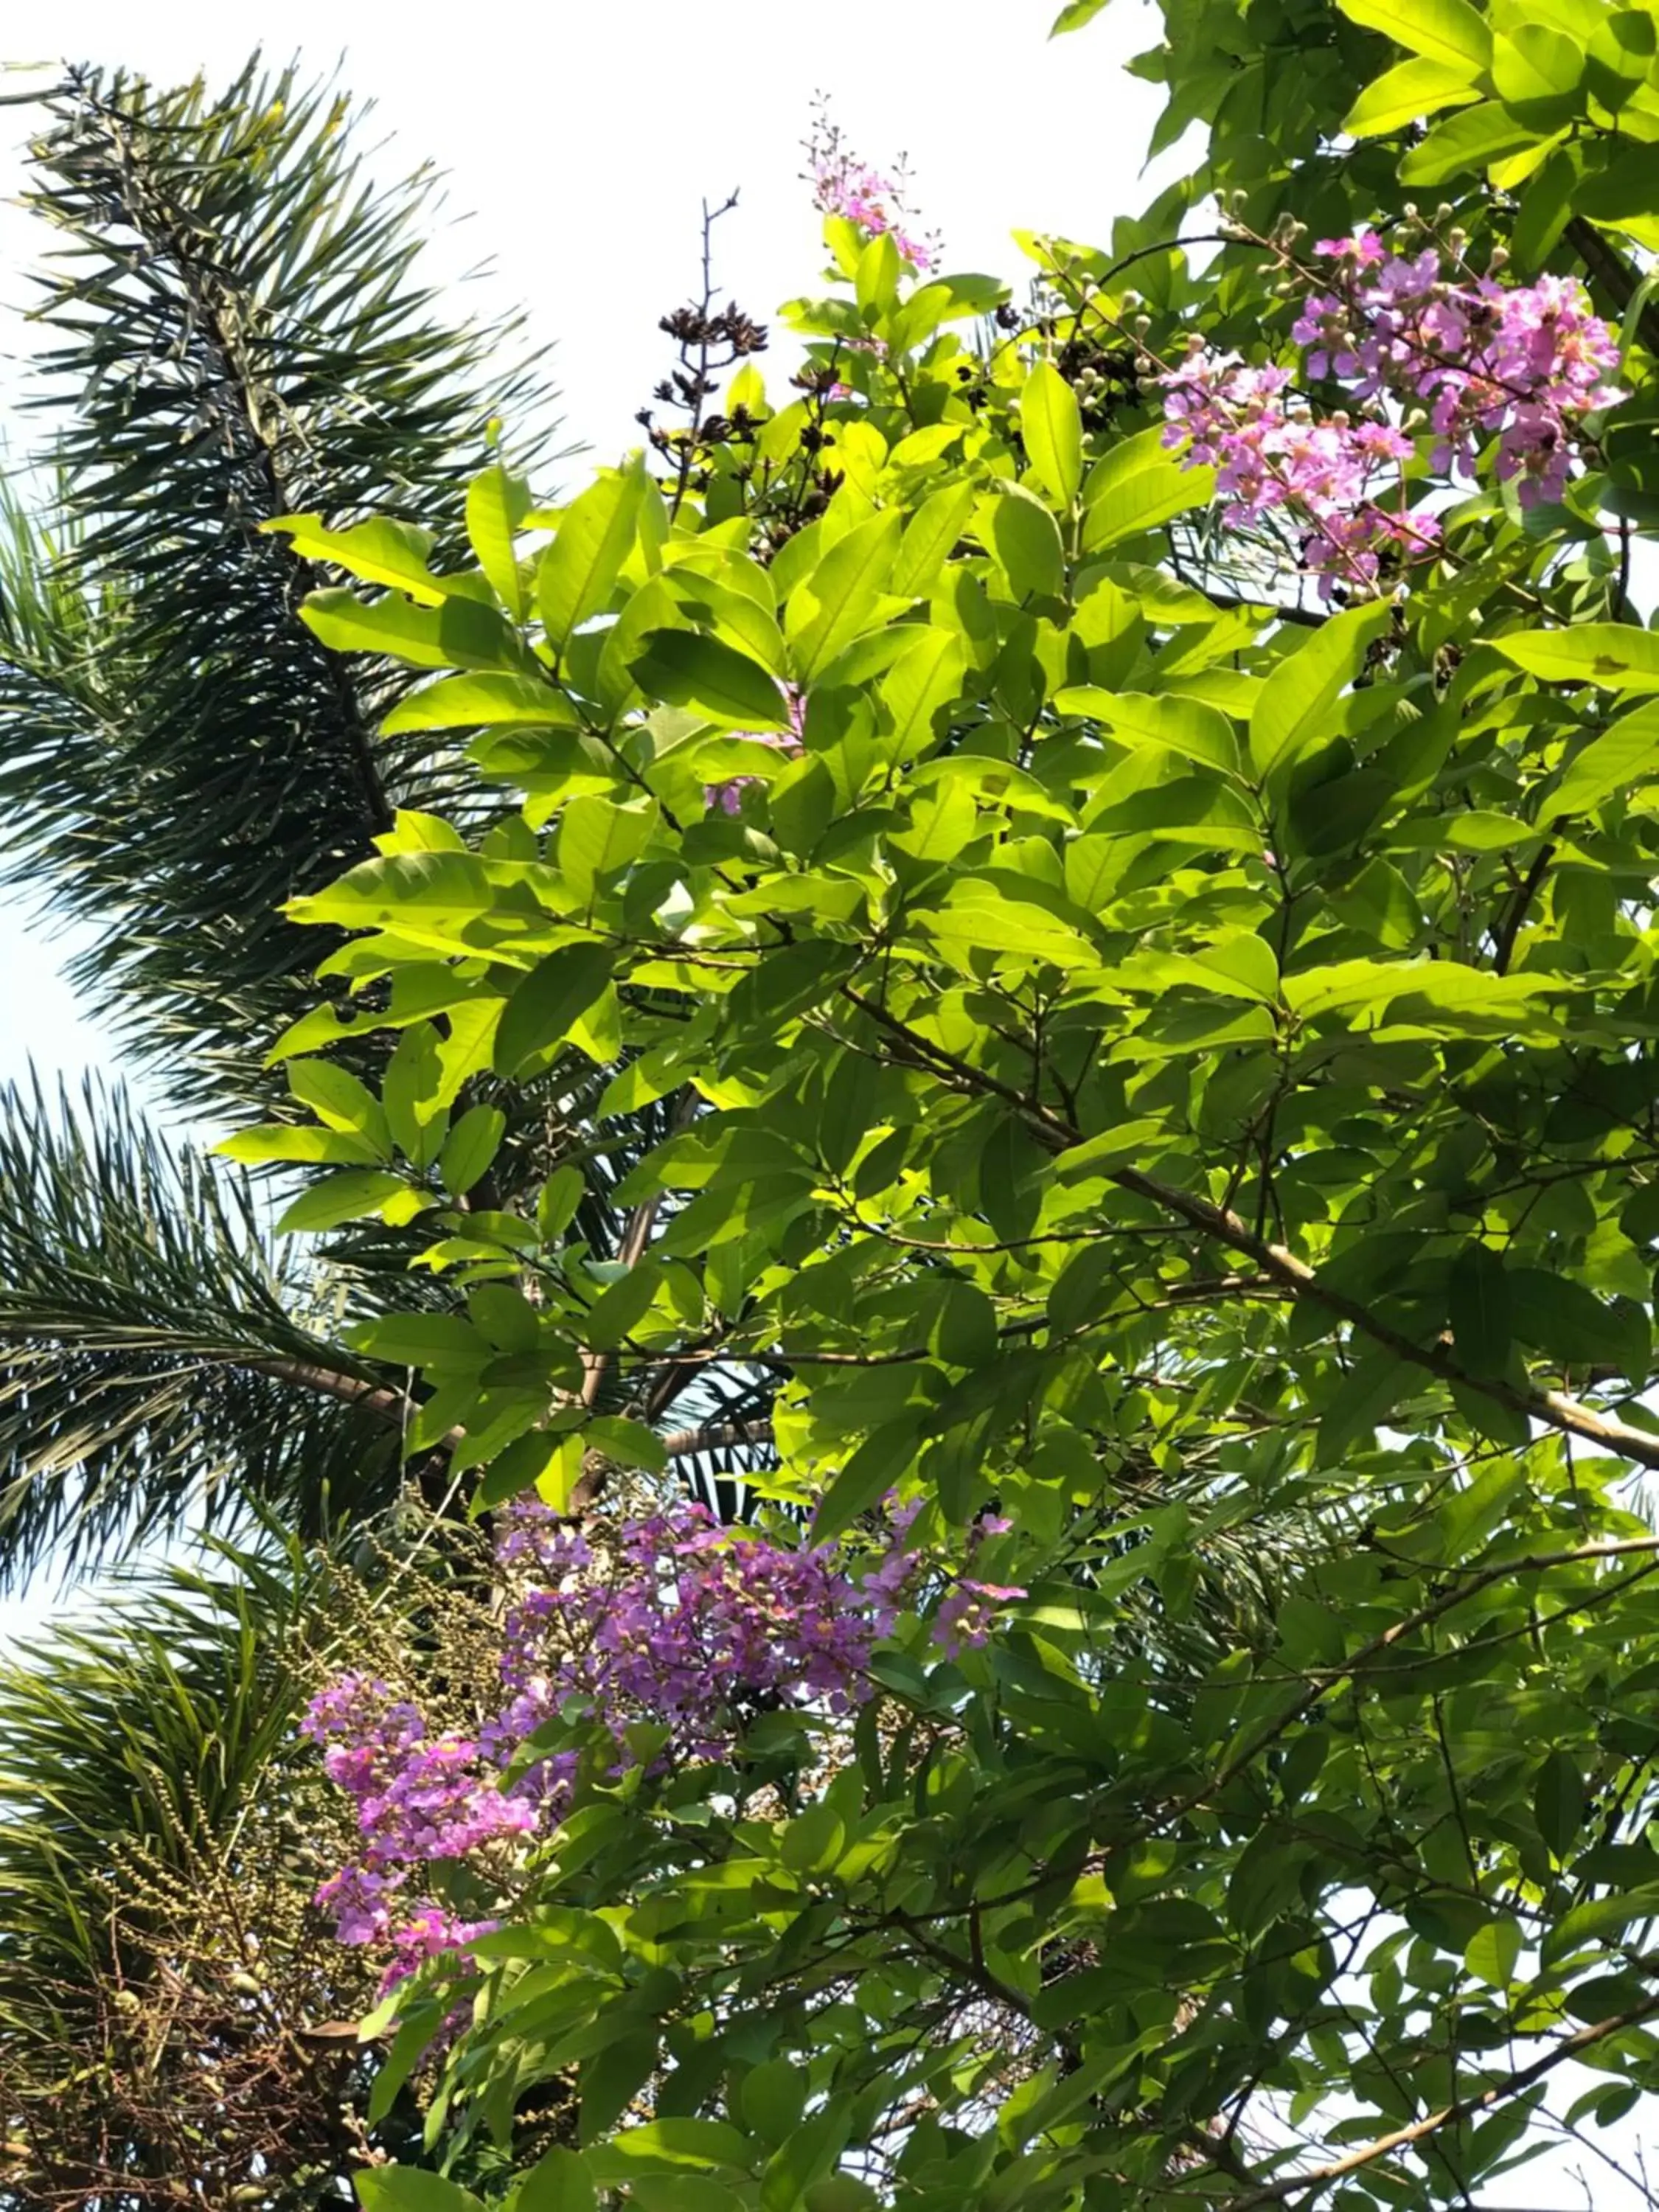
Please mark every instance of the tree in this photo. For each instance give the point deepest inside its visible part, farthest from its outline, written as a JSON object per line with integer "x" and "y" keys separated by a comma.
{"x": 1142, "y": 902}
{"x": 239, "y": 329}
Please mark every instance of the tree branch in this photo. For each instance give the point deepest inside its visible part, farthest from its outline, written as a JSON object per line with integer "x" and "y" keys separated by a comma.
{"x": 1463, "y": 2108}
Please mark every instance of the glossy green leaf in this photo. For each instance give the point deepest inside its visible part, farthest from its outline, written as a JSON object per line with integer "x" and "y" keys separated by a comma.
{"x": 713, "y": 679}
{"x": 580, "y": 568}
{"x": 1052, "y": 427}
{"x": 1449, "y": 32}
{"x": 547, "y": 1001}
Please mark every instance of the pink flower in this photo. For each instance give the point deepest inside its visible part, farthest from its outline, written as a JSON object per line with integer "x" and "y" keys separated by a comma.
{"x": 1523, "y": 364}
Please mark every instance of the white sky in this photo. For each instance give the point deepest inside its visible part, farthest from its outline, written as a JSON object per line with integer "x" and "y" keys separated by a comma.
{"x": 579, "y": 139}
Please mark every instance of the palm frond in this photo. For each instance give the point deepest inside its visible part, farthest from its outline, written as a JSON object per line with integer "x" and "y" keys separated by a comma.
{"x": 238, "y": 330}
{"x": 159, "y": 1359}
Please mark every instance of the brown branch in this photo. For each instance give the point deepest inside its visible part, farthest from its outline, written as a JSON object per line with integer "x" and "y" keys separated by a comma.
{"x": 716, "y": 1436}
{"x": 1551, "y": 1408}
{"x": 1462, "y": 2108}
{"x": 1525, "y": 892}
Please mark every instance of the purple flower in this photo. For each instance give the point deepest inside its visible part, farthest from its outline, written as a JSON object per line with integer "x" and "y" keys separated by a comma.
{"x": 669, "y": 1618}
{"x": 1523, "y": 364}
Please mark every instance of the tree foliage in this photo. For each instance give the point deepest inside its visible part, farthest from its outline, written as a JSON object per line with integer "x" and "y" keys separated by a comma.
{"x": 1150, "y": 1057}
{"x": 238, "y": 327}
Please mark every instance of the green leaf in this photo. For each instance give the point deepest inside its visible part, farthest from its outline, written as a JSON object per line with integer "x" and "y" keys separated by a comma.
{"x": 339, "y": 1198}
{"x": 964, "y": 1329}
{"x": 630, "y": 1443}
{"x": 410, "y": 2188}
{"x": 599, "y": 836}
{"x": 546, "y": 1006}
{"x": 469, "y": 1147}
{"x": 558, "y": 2182}
{"x": 867, "y": 1477}
{"x": 1405, "y": 93}
{"x": 711, "y": 678}
{"x": 1592, "y": 1923}
{"x": 497, "y": 502}
{"x": 618, "y": 1309}
{"x": 1449, "y": 32}
{"x": 1026, "y": 539}
{"x": 1492, "y": 1953}
{"x": 420, "y": 1340}
{"x": 926, "y": 676}
{"x": 1480, "y": 1308}
{"x": 339, "y": 1099}
{"x": 773, "y": 2097}
{"x": 1073, "y": 17}
{"x": 1051, "y": 426}
{"x": 662, "y": 2146}
{"x": 1472, "y": 139}
{"x": 577, "y": 573}
{"x": 1534, "y": 65}
{"x": 1624, "y": 756}
{"x": 458, "y": 633}
{"x": 379, "y": 551}
{"x": 1615, "y": 655}
{"x": 284, "y": 1142}
{"x": 1560, "y": 1318}
{"x": 482, "y": 701}
{"x": 928, "y": 537}
{"x": 1136, "y": 487}
{"x": 1187, "y": 726}
{"x": 1293, "y": 709}
{"x": 839, "y": 600}
{"x": 1560, "y": 1802}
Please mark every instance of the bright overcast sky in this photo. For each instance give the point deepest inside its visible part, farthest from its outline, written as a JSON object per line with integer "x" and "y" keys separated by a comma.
{"x": 578, "y": 140}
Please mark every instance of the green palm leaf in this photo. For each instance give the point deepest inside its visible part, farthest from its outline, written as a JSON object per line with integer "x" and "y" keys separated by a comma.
{"x": 238, "y": 330}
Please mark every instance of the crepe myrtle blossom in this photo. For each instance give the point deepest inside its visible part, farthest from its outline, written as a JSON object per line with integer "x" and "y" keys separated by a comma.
{"x": 671, "y": 1619}
{"x": 1527, "y": 362}
{"x": 846, "y": 186}
{"x": 872, "y": 202}
{"x": 1415, "y": 341}
{"x": 727, "y": 798}
{"x": 1272, "y": 457}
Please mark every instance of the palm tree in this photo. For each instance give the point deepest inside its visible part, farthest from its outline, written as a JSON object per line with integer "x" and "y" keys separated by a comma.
{"x": 237, "y": 328}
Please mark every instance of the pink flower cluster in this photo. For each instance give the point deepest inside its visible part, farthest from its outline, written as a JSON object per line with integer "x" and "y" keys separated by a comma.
{"x": 1271, "y": 457}
{"x": 1525, "y": 363}
{"x": 675, "y": 1620}
{"x": 418, "y": 1800}
{"x": 697, "y": 1627}
{"x": 727, "y": 797}
{"x": 843, "y": 185}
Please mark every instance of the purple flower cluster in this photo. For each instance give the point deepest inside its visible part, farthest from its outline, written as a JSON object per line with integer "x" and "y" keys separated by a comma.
{"x": 1525, "y": 363}
{"x": 844, "y": 186}
{"x": 671, "y": 1618}
{"x": 418, "y": 1799}
{"x": 1271, "y": 456}
{"x": 697, "y": 1627}
{"x": 728, "y": 796}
